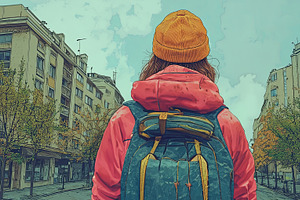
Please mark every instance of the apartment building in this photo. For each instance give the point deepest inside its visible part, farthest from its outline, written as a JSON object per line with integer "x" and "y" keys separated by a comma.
{"x": 53, "y": 67}
{"x": 112, "y": 97}
{"x": 282, "y": 88}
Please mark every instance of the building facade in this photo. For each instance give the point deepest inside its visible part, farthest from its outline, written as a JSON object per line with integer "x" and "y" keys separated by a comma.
{"x": 52, "y": 67}
{"x": 282, "y": 87}
{"x": 112, "y": 97}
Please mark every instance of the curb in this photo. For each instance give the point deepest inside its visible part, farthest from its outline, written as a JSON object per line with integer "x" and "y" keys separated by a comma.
{"x": 38, "y": 197}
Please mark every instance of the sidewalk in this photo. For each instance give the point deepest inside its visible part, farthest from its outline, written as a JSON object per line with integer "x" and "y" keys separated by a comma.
{"x": 280, "y": 186}
{"x": 43, "y": 191}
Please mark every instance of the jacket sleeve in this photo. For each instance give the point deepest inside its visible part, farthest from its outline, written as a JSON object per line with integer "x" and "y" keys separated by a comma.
{"x": 111, "y": 156}
{"x": 243, "y": 162}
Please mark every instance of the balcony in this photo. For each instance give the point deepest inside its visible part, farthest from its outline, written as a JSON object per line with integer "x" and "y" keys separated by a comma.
{"x": 65, "y": 110}
{"x": 40, "y": 72}
{"x": 66, "y": 91}
{"x": 67, "y": 75}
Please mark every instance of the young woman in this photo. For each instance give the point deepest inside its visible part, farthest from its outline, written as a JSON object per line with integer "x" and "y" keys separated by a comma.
{"x": 178, "y": 75}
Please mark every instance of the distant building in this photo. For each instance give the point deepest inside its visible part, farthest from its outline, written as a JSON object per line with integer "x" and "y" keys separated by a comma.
{"x": 53, "y": 67}
{"x": 282, "y": 88}
{"x": 112, "y": 97}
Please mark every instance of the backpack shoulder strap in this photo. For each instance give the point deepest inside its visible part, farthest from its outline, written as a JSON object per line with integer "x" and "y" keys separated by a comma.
{"x": 216, "y": 112}
{"x": 137, "y": 110}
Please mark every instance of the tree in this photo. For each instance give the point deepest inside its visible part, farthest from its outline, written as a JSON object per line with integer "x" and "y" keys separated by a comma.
{"x": 285, "y": 124}
{"x": 14, "y": 99}
{"x": 39, "y": 126}
{"x": 265, "y": 142}
{"x": 86, "y": 135}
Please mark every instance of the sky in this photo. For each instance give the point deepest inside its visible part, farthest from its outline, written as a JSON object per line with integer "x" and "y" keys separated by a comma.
{"x": 247, "y": 39}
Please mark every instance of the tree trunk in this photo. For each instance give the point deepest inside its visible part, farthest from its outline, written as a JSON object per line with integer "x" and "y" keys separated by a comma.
{"x": 89, "y": 170}
{"x": 268, "y": 180}
{"x": 262, "y": 178}
{"x": 32, "y": 174}
{"x": 276, "y": 178}
{"x": 294, "y": 180}
{"x": 3, "y": 162}
{"x": 10, "y": 173}
{"x": 256, "y": 176}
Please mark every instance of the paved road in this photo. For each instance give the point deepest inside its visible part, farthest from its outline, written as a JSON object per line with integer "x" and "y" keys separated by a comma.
{"x": 81, "y": 194}
{"x": 263, "y": 193}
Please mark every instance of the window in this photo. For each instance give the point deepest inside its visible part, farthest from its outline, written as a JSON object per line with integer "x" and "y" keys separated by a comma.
{"x": 5, "y": 57}
{"x": 106, "y": 104}
{"x": 107, "y": 91}
{"x": 40, "y": 63}
{"x": 98, "y": 94}
{"x": 41, "y": 45}
{"x": 81, "y": 65}
{"x": 274, "y": 93}
{"x": 52, "y": 71}
{"x": 77, "y": 109}
{"x": 41, "y": 171}
{"x": 285, "y": 88}
{"x": 64, "y": 82}
{"x": 5, "y": 38}
{"x": 79, "y": 78}
{"x": 63, "y": 101}
{"x": 38, "y": 84}
{"x": 274, "y": 77}
{"x": 51, "y": 93}
{"x": 79, "y": 93}
{"x": 88, "y": 101}
{"x": 89, "y": 87}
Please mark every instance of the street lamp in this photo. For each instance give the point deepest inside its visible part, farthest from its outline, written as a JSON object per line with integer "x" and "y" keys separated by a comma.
{"x": 78, "y": 40}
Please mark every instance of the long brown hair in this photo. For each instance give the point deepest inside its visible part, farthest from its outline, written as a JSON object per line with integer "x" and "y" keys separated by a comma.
{"x": 156, "y": 64}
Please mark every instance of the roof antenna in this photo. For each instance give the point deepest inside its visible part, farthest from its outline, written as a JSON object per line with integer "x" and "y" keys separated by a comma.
{"x": 115, "y": 76}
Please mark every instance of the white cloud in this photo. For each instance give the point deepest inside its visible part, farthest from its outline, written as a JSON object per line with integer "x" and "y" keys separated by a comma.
{"x": 257, "y": 36}
{"x": 243, "y": 99}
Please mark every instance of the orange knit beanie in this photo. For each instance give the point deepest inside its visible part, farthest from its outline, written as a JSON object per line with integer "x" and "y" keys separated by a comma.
{"x": 181, "y": 38}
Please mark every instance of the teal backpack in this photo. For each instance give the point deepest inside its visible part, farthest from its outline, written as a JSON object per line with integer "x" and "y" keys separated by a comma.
{"x": 178, "y": 154}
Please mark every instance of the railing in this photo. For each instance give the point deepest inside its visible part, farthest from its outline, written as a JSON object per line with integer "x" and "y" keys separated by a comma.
{"x": 66, "y": 91}
{"x": 65, "y": 110}
{"x": 67, "y": 74}
{"x": 40, "y": 72}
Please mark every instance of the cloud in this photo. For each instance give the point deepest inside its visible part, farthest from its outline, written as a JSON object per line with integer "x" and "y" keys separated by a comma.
{"x": 257, "y": 39}
{"x": 95, "y": 20}
{"x": 243, "y": 99}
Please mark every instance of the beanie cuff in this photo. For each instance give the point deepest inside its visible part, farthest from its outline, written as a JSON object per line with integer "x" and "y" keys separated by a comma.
{"x": 181, "y": 55}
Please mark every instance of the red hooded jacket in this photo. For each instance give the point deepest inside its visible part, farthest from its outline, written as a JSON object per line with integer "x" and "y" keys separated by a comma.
{"x": 178, "y": 87}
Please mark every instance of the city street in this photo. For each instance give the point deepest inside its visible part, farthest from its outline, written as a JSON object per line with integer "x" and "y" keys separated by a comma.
{"x": 81, "y": 194}
{"x": 76, "y": 191}
{"x": 265, "y": 193}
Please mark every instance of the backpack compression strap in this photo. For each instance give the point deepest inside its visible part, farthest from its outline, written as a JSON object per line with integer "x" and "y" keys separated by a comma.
{"x": 203, "y": 169}
{"x": 144, "y": 163}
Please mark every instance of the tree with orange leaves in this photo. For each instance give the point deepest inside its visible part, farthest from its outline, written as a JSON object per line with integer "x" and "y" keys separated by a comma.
{"x": 265, "y": 142}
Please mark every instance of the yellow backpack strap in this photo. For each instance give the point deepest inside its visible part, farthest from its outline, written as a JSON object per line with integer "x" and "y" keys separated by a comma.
{"x": 144, "y": 163}
{"x": 162, "y": 122}
{"x": 203, "y": 169}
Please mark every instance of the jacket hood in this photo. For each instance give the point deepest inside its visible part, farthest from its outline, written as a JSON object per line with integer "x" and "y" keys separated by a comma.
{"x": 177, "y": 87}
